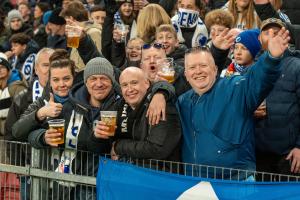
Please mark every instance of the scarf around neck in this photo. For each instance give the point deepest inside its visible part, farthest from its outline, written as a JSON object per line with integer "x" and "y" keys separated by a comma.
{"x": 189, "y": 20}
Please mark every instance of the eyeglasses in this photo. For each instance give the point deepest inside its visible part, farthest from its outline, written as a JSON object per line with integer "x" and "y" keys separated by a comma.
{"x": 155, "y": 45}
{"x": 197, "y": 49}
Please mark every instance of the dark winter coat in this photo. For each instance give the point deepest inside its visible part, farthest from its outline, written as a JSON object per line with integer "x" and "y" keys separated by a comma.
{"x": 279, "y": 131}
{"x": 144, "y": 141}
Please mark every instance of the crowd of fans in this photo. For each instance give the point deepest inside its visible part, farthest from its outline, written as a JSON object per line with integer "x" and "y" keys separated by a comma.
{"x": 233, "y": 99}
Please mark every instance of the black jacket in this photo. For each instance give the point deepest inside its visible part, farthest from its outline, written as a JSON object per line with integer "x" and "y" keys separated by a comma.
{"x": 144, "y": 141}
{"x": 178, "y": 55}
{"x": 32, "y": 47}
{"x": 27, "y": 29}
{"x": 266, "y": 11}
{"x": 57, "y": 42}
{"x": 292, "y": 9}
{"x": 279, "y": 131}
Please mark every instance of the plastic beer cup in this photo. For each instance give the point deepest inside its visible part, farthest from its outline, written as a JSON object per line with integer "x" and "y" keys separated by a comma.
{"x": 110, "y": 119}
{"x": 59, "y": 125}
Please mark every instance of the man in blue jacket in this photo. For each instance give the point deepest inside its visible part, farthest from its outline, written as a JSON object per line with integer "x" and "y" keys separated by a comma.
{"x": 217, "y": 114}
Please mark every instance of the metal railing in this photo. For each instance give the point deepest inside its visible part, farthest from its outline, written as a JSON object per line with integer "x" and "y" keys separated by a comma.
{"x": 29, "y": 173}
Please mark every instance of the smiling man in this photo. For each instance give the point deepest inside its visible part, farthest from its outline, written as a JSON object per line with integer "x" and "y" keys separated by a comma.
{"x": 217, "y": 114}
{"x": 160, "y": 141}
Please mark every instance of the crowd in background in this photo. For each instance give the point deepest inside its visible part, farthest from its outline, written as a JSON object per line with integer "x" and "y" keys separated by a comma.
{"x": 233, "y": 98}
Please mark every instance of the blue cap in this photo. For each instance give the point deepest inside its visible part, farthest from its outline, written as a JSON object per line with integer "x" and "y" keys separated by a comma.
{"x": 249, "y": 38}
{"x": 46, "y": 17}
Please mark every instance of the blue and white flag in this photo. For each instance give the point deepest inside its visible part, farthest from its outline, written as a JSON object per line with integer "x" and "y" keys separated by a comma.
{"x": 118, "y": 180}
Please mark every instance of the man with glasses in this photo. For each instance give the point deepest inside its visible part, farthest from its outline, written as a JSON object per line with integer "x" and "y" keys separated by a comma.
{"x": 217, "y": 114}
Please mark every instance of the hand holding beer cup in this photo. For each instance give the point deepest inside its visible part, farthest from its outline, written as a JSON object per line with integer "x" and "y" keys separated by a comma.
{"x": 120, "y": 32}
{"x": 166, "y": 70}
{"x": 73, "y": 33}
{"x": 107, "y": 126}
{"x": 55, "y": 134}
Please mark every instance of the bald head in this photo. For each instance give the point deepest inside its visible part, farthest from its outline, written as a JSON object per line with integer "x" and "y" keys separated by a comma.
{"x": 134, "y": 85}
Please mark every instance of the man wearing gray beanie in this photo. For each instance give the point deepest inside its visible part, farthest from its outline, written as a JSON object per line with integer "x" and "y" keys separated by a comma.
{"x": 16, "y": 25}
{"x": 98, "y": 66}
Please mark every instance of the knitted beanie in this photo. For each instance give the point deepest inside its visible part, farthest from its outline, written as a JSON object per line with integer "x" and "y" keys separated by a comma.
{"x": 55, "y": 18}
{"x": 14, "y": 14}
{"x": 98, "y": 66}
{"x": 4, "y": 62}
{"x": 249, "y": 39}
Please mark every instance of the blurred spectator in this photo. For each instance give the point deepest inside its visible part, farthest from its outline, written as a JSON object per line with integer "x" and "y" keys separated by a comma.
{"x": 150, "y": 17}
{"x": 16, "y": 25}
{"x": 244, "y": 14}
{"x": 11, "y": 84}
{"x": 133, "y": 53}
{"x": 265, "y": 10}
{"x": 75, "y": 14}
{"x": 167, "y": 36}
{"x": 98, "y": 14}
{"x": 246, "y": 48}
{"x": 56, "y": 30}
{"x": 124, "y": 29}
{"x": 170, "y": 6}
{"x": 217, "y": 21}
{"x": 188, "y": 24}
{"x": 46, "y": 17}
{"x": 3, "y": 30}
{"x": 25, "y": 10}
{"x": 292, "y": 9}
{"x": 24, "y": 52}
{"x": 215, "y": 4}
{"x": 277, "y": 4}
{"x": 40, "y": 35}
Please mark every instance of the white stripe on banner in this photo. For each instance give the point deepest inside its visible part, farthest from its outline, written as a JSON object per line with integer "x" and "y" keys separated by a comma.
{"x": 202, "y": 190}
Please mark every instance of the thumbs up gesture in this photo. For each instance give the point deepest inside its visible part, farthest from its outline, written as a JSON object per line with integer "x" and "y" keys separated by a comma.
{"x": 51, "y": 109}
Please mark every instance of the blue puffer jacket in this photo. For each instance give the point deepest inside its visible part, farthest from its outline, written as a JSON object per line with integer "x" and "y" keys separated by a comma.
{"x": 279, "y": 132}
{"x": 218, "y": 126}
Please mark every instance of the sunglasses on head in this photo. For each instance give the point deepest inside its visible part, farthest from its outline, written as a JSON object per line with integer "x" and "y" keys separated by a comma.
{"x": 155, "y": 45}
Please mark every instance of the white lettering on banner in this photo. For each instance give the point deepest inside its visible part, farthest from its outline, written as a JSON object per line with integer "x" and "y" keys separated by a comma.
{"x": 201, "y": 191}
{"x": 28, "y": 66}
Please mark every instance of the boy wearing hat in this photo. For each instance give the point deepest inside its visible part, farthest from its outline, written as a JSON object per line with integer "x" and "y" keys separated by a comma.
{"x": 245, "y": 50}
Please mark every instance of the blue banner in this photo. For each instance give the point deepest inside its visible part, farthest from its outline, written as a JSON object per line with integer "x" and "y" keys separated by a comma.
{"x": 117, "y": 180}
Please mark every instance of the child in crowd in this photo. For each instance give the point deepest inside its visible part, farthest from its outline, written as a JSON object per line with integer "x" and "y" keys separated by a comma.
{"x": 245, "y": 50}
{"x": 166, "y": 35}
{"x": 98, "y": 15}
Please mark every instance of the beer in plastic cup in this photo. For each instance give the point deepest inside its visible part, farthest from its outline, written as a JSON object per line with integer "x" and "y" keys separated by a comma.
{"x": 123, "y": 30}
{"x": 167, "y": 69}
{"x": 59, "y": 125}
{"x": 110, "y": 119}
{"x": 73, "y": 36}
